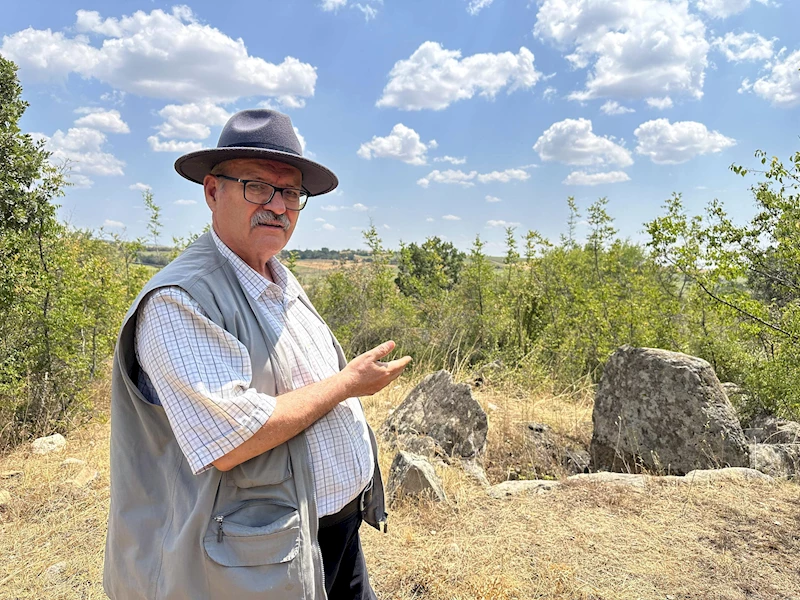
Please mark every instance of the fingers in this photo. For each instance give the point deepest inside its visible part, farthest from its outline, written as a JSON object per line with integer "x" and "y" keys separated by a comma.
{"x": 382, "y": 350}
{"x": 398, "y": 364}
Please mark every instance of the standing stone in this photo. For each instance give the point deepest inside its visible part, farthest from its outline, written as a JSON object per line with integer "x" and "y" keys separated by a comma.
{"x": 776, "y": 460}
{"x": 664, "y": 411}
{"x": 412, "y": 475}
{"x": 444, "y": 411}
{"x": 51, "y": 443}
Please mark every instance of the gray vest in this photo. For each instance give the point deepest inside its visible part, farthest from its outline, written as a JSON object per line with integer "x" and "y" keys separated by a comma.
{"x": 250, "y": 532}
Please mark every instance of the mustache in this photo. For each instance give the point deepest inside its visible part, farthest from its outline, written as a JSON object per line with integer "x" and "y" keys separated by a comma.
{"x": 267, "y": 217}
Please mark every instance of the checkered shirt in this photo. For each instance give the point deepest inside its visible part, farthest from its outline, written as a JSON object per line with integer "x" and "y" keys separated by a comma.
{"x": 201, "y": 375}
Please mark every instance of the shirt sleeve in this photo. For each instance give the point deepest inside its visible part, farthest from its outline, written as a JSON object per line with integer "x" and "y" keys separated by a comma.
{"x": 202, "y": 375}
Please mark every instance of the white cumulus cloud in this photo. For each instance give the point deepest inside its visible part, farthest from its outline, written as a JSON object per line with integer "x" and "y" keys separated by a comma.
{"x": 468, "y": 179}
{"x": 158, "y": 145}
{"x": 503, "y": 176}
{"x": 493, "y": 199}
{"x": 501, "y": 223}
{"x": 632, "y": 48}
{"x": 612, "y": 107}
{"x": 660, "y": 103}
{"x": 674, "y": 143}
{"x": 476, "y": 6}
{"x": 185, "y": 202}
{"x": 113, "y": 224}
{"x": 159, "y": 54}
{"x": 403, "y": 143}
{"x": 328, "y": 227}
{"x": 573, "y": 142}
{"x": 139, "y": 187}
{"x": 451, "y": 218}
{"x": 720, "y": 9}
{"x": 782, "y": 85}
{"x": 745, "y": 46}
{"x": 433, "y": 77}
{"x": 451, "y": 159}
{"x": 191, "y": 121}
{"x": 358, "y": 207}
{"x": 104, "y": 120}
{"x": 82, "y": 148}
{"x": 584, "y": 178}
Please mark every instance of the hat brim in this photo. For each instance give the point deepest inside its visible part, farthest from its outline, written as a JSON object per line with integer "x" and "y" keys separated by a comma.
{"x": 196, "y": 165}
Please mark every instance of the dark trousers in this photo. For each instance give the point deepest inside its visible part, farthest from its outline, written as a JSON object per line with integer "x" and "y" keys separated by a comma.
{"x": 343, "y": 561}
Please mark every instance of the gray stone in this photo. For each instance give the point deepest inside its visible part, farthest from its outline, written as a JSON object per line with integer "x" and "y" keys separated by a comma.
{"x": 726, "y": 474}
{"x": 771, "y": 430}
{"x": 412, "y": 475}
{"x": 423, "y": 445}
{"x": 633, "y": 480}
{"x": 474, "y": 470}
{"x": 446, "y": 412}
{"x": 664, "y": 412}
{"x": 508, "y": 489}
{"x": 777, "y": 460}
{"x": 553, "y": 454}
{"x": 56, "y": 571}
{"x": 51, "y": 443}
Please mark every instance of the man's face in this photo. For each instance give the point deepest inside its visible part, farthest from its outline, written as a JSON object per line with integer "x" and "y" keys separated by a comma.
{"x": 236, "y": 221}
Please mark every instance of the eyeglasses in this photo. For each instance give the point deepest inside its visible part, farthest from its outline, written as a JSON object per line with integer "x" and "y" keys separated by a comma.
{"x": 261, "y": 192}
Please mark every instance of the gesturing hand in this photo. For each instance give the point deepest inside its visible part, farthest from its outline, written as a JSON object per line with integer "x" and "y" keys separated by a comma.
{"x": 367, "y": 375}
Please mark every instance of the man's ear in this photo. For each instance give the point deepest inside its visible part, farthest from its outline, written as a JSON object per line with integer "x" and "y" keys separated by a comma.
{"x": 210, "y": 189}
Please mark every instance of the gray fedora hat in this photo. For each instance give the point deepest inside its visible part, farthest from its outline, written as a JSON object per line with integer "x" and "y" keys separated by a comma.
{"x": 258, "y": 133}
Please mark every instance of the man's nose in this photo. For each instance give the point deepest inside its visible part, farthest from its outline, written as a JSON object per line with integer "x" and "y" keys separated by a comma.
{"x": 277, "y": 205}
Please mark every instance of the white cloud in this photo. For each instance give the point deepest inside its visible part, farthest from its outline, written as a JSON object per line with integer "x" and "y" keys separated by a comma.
{"x": 358, "y": 207}
{"x": 113, "y": 224}
{"x": 104, "y": 120}
{"x": 191, "y": 121}
{"x": 660, "y": 103}
{"x": 451, "y": 218}
{"x": 476, "y": 6}
{"x": 500, "y": 223}
{"x": 429, "y": 219}
{"x": 549, "y": 92}
{"x": 450, "y": 159}
{"x": 139, "y": 187}
{"x": 302, "y": 141}
{"x": 385, "y": 226}
{"x": 572, "y": 141}
{"x": 745, "y": 46}
{"x": 185, "y": 202}
{"x": 503, "y": 176}
{"x": 157, "y": 145}
{"x": 319, "y": 220}
{"x": 465, "y": 179}
{"x": 493, "y": 199}
{"x": 82, "y": 148}
{"x": 673, "y": 143}
{"x": 369, "y": 12}
{"x": 333, "y": 5}
{"x": 79, "y": 181}
{"x": 632, "y": 48}
{"x": 158, "y": 54}
{"x": 434, "y": 78}
{"x": 782, "y": 86}
{"x": 583, "y": 178}
{"x": 612, "y": 107}
{"x": 720, "y": 9}
{"x": 448, "y": 176}
{"x": 328, "y": 227}
{"x": 403, "y": 143}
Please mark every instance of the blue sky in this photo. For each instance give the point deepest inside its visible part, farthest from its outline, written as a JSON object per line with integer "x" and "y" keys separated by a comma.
{"x": 449, "y": 117}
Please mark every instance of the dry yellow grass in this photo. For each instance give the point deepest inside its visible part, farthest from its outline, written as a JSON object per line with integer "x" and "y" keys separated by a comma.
{"x": 581, "y": 541}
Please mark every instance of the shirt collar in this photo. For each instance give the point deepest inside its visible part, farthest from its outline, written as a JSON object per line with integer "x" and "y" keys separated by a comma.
{"x": 252, "y": 281}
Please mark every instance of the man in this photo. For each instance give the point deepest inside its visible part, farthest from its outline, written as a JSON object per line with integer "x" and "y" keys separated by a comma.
{"x": 241, "y": 462}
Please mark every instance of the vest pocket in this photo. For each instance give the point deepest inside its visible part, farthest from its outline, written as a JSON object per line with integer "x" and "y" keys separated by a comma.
{"x": 265, "y": 469}
{"x": 249, "y": 560}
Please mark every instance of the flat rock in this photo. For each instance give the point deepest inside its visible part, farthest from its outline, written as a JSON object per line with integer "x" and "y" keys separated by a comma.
{"x": 727, "y": 474}
{"x": 508, "y": 489}
{"x": 51, "y": 443}
{"x": 635, "y": 480}
{"x": 662, "y": 411}
{"x": 412, "y": 475}
{"x": 5, "y": 498}
{"x": 84, "y": 477}
{"x": 56, "y": 570}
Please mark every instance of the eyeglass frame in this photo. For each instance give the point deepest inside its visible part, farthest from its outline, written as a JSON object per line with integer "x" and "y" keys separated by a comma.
{"x": 275, "y": 188}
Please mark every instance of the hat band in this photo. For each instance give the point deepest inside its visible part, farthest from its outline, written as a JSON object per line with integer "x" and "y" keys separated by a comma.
{"x": 263, "y": 147}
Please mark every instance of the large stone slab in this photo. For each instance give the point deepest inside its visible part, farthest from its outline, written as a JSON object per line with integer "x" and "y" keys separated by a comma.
{"x": 444, "y": 411}
{"x": 664, "y": 412}
{"x": 507, "y": 489}
{"x": 412, "y": 475}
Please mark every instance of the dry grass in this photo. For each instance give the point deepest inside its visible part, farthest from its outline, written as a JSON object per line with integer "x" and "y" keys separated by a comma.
{"x": 581, "y": 541}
